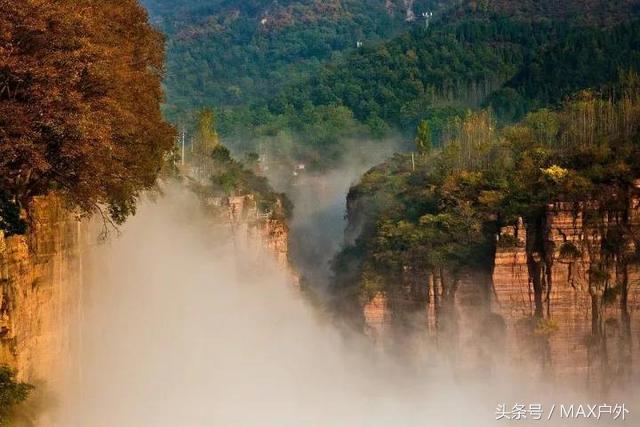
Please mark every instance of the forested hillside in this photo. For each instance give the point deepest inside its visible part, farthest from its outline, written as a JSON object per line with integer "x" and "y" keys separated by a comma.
{"x": 593, "y": 12}
{"x": 513, "y": 66}
{"x": 225, "y": 53}
{"x": 292, "y": 76}
{"x": 585, "y": 58}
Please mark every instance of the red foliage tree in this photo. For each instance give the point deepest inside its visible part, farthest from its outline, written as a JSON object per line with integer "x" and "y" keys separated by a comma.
{"x": 80, "y": 95}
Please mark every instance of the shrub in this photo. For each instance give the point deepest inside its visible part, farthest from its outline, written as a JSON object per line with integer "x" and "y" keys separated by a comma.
{"x": 12, "y": 393}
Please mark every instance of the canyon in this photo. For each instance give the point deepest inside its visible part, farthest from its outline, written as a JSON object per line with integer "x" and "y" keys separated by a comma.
{"x": 45, "y": 279}
{"x": 44, "y": 286}
{"x": 488, "y": 325}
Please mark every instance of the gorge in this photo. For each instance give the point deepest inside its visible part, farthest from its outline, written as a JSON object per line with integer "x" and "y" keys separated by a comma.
{"x": 103, "y": 327}
{"x": 237, "y": 335}
{"x": 318, "y": 213}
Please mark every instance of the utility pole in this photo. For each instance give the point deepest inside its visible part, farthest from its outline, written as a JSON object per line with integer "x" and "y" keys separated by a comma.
{"x": 182, "y": 155}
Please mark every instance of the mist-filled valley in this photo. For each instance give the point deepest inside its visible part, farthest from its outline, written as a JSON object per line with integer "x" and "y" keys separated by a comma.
{"x": 310, "y": 212}
{"x": 186, "y": 326}
{"x": 319, "y": 217}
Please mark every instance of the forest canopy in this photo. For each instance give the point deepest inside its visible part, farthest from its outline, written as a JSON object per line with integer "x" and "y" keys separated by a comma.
{"x": 308, "y": 78}
{"x": 80, "y": 95}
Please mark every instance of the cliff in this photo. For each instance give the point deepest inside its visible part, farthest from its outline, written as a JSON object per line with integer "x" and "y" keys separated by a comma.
{"x": 264, "y": 232}
{"x": 579, "y": 334}
{"x": 570, "y": 320}
{"x": 40, "y": 279}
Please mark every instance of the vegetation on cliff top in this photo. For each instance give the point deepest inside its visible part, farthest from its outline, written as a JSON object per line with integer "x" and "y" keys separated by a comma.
{"x": 217, "y": 174}
{"x": 439, "y": 213}
{"x": 79, "y": 105}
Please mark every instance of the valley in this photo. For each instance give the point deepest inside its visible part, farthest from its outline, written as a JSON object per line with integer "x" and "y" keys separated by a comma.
{"x": 344, "y": 212}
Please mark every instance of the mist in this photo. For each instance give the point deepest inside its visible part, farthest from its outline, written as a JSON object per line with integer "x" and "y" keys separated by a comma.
{"x": 186, "y": 327}
{"x": 319, "y": 199}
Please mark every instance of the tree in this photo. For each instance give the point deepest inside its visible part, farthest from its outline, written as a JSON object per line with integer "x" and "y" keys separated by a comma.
{"x": 11, "y": 392}
{"x": 80, "y": 102}
{"x": 206, "y": 139}
{"x": 205, "y": 144}
{"x": 423, "y": 138}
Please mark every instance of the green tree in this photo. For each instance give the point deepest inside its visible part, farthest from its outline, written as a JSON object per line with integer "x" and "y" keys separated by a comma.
{"x": 423, "y": 138}
{"x": 11, "y": 393}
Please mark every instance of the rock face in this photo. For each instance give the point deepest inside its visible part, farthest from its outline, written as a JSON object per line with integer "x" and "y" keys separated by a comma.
{"x": 253, "y": 228}
{"x": 377, "y": 318}
{"x": 424, "y": 326}
{"x": 494, "y": 319}
{"x": 41, "y": 283}
{"x": 566, "y": 331}
{"x": 40, "y": 279}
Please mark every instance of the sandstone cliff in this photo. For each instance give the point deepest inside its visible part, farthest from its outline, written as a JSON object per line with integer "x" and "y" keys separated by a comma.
{"x": 568, "y": 325}
{"x": 572, "y": 332}
{"x": 41, "y": 278}
{"x": 42, "y": 287}
{"x": 265, "y": 233}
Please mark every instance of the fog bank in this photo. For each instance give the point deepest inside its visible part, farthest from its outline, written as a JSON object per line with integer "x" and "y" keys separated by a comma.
{"x": 185, "y": 328}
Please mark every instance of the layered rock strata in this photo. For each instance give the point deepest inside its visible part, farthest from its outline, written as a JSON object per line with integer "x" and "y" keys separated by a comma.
{"x": 496, "y": 319}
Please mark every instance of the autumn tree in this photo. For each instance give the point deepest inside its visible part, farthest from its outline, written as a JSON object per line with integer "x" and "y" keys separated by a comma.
{"x": 80, "y": 102}
{"x": 204, "y": 142}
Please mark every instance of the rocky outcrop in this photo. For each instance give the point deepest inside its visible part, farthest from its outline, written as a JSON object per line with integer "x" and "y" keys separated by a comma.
{"x": 497, "y": 321}
{"x": 40, "y": 279}
{"x": 565, "y": 331}
{"x": 406, "y": 6}
{"x": 265, "y": 233}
